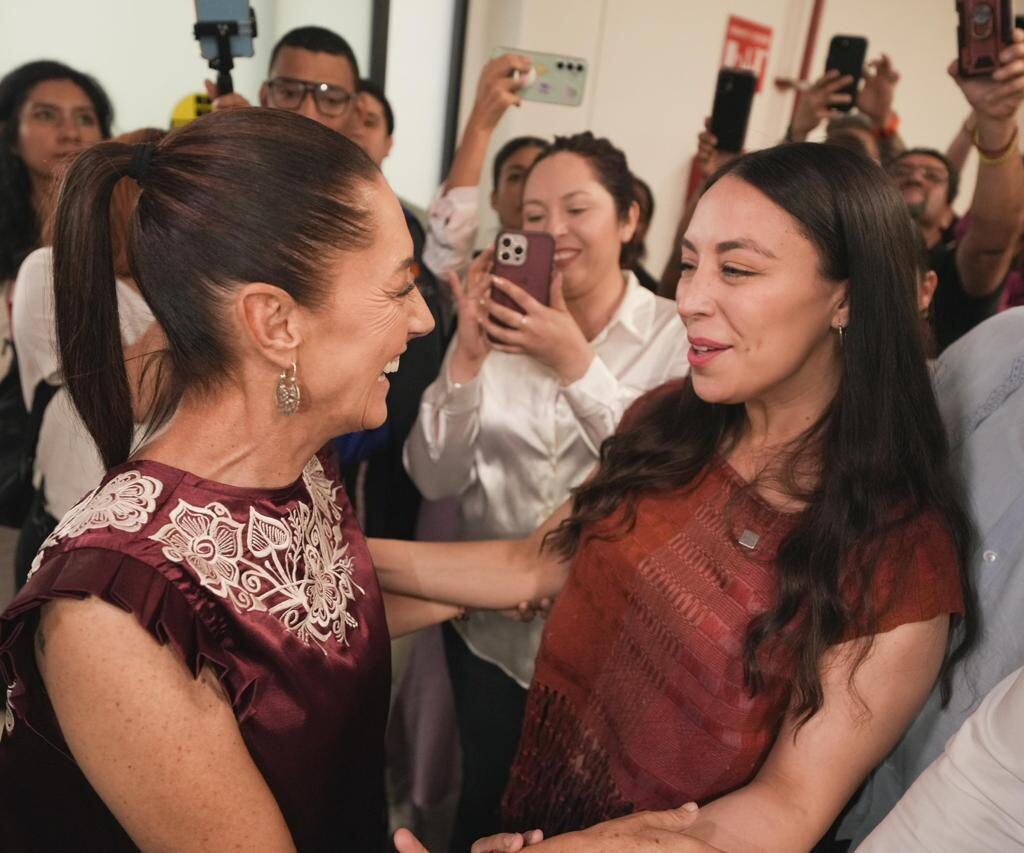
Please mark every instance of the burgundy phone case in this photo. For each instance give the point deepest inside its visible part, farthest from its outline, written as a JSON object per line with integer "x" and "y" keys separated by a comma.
{"x": 984, "y": 29}
{"x": 525, "y": 258}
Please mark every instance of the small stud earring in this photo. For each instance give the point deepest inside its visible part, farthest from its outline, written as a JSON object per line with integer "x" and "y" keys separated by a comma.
{"x": 287, "y": 395}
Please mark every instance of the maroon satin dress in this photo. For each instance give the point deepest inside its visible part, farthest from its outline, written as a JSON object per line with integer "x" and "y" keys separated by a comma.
{"x": 274, "y": 590}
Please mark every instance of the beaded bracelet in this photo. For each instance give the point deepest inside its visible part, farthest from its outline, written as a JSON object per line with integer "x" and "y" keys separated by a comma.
{"x": 993, "y": 157}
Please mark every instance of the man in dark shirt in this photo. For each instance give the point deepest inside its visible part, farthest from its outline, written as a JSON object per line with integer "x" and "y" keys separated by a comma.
{"x": 971, "y": 261}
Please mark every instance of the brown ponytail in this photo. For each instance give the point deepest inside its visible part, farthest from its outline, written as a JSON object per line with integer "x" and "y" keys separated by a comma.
{"x": 85, "y": 295}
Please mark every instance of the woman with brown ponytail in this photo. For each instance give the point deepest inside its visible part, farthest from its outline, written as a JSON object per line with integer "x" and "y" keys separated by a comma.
{"x": 765, "y": 569}
{"x": 199, "y": 659}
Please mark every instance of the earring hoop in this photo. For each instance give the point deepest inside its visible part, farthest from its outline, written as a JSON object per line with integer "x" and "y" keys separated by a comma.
{"x": 287, "y": 395}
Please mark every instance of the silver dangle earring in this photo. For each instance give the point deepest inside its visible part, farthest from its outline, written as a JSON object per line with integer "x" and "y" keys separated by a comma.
{"x": 287, "y": 394}
{"x": 842, "y": 334}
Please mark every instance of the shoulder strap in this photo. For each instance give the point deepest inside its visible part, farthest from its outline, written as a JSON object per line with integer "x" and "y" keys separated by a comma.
{"x": 40, "y": 400}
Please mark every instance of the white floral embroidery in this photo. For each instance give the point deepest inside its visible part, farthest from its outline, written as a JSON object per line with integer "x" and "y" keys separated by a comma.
{"x": 124, "y": 502}
{"x": 8, "y": 725}
{"x": 299, "y": 570}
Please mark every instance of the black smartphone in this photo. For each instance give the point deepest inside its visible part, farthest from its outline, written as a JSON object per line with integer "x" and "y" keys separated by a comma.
{"x": 846, "y": 54}
{"x": 734, "y": 97}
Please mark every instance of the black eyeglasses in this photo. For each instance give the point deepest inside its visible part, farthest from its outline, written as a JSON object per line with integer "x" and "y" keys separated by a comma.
{"x": 287, "y": 93}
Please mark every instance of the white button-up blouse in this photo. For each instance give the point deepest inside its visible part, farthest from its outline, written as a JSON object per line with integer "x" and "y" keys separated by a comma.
{"x": 513, "y": 442}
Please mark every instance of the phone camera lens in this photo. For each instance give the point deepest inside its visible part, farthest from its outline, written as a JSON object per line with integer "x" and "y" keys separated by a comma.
{"x": 579, "y": 66}
{"x": 506, "y": 242}
{"x": 505, "y": 256}
{"x": 519, "y": 250}
{"x": 559, "y": 64}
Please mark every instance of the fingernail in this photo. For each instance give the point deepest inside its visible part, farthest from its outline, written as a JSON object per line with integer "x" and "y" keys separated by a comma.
{"x": 690, "y": 807}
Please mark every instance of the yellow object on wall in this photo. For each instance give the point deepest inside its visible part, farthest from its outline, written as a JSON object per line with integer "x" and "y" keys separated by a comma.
{"x": 190, "y": 108}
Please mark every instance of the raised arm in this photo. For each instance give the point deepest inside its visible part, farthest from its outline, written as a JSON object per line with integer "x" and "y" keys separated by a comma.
{"x": 161, "y": 748}
{"x": 438, "y": 451}
{"x": 489, "y": 575}
{"x": 986, "y": 251}
{"x": 453, "y": 216}
{"x": 962, "y": 144}
{"x": 811, "y": 773}
{"x": 495, "y": 93}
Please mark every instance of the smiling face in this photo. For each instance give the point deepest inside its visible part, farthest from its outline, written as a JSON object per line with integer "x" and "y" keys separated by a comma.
{"x": 372, "y": 311}
{"x": 564, "y": 198}
{"x": 56, "y": 121}
{"x": 759, "y": 315}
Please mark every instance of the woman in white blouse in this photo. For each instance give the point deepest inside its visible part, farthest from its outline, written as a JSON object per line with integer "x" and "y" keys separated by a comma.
{"x": 510, "y": 427}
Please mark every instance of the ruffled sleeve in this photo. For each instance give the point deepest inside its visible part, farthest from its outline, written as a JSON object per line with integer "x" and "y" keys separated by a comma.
{"x": 916, "y": 579}
{"x": 168, "y": 610}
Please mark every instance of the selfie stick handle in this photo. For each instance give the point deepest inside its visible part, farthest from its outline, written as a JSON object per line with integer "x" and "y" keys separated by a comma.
{"x": 223, "y": 62}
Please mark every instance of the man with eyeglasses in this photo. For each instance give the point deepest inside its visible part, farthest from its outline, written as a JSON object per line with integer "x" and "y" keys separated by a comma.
{"x": 313, "y": 72}
{"x": 971, "y": 258}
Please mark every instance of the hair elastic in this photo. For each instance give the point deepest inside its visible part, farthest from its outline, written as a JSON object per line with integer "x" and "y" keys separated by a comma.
{"x": 142, "y": 153}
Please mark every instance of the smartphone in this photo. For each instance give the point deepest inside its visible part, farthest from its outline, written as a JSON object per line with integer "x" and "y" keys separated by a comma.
{"x": 985, "y": 27}
{"x": 226, "y": 12}
{"x": 526, "y": 258}
{"x": 734, "y": 97}
{"x": 556, "y": 78}
{"x": 846, "y": 54}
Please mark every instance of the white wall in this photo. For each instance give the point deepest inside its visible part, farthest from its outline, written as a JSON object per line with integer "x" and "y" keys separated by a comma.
{"x": 416, "y": 83}
{"x": 143, "y": 52}
{"x": 654, "y": 63}
{"x": 920, "y": 37}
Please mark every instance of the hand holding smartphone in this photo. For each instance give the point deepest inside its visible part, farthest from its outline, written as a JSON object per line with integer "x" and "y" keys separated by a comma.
{"x": 730, "y": 115}
{"x": 846, "y": 55}
{"x": 554, "y": 78}
{"x": 526, "y": 258}
{"x": 985, "y": 27}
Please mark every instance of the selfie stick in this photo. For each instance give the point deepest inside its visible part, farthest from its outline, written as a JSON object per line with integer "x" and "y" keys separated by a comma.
{"x": 223, "y": 62}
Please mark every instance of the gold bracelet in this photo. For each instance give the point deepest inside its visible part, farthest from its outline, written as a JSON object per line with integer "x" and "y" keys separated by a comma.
{"x": 994, "y": 158}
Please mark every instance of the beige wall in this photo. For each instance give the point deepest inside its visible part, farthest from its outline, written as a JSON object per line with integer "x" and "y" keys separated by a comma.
{"x": 654, "y": 63}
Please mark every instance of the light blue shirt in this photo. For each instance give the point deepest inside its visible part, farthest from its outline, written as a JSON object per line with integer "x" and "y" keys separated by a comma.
{"x": 979, "y": 382}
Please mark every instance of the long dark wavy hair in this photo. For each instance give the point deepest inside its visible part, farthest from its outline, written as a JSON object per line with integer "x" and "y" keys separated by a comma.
{"x": 237, "y": 196}
{"x": 878, "y": 453}
{"x": 19, "y": 225}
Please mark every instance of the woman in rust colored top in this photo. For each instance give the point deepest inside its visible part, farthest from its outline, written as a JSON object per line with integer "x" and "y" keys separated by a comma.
{"x": 764, "y": 568}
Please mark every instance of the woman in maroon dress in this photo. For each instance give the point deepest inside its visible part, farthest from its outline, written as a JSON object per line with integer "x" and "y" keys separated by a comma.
{"x": 278, "y": 264}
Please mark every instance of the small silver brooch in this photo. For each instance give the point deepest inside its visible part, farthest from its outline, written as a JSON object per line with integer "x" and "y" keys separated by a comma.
{"x": 748, "y": 539}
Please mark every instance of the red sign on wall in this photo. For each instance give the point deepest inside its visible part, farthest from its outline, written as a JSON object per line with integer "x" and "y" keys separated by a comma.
{"x": 747, "y": 44}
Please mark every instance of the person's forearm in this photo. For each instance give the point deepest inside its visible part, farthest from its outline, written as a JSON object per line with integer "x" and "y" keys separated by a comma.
{"x": 960, "y": 148}
{"x": 757, "y": 818}
{"x": 406, "y": 614}
{"x": 987, "y": 249}
{"x": 468, "y": 163}
{"x": 490, "y": 575}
